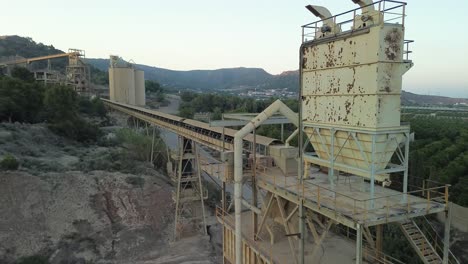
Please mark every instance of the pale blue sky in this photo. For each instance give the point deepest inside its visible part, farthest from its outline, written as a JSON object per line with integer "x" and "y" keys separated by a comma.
{"x": 211, "y": 34}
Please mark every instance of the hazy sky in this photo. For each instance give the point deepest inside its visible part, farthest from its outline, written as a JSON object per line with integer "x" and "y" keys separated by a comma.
{"x": 212, "y": 34}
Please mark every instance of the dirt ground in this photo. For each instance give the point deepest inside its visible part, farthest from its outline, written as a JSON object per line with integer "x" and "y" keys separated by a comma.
{"x": 78, "y": 203}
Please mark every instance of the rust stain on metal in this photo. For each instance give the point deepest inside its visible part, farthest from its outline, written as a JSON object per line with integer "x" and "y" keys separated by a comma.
{"x": 393, "y": 39}
{"x": 330, "y": 56}
{"x": 351, "y": 85}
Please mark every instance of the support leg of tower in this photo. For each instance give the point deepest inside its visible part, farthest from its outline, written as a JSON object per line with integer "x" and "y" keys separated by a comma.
{"x": 358, "y": 244}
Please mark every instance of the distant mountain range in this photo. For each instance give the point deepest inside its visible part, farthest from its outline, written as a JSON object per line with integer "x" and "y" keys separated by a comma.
{"x": 206, "y": 80}
{"x": 231, "y": 79}
{"x": 408, "y": 98}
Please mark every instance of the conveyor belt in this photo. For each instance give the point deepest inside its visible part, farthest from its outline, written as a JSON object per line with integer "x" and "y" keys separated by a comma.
{"x": 212, "y": 137}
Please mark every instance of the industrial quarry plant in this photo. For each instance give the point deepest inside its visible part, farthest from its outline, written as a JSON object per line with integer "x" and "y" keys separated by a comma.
{"x": 328, "y": 198}
{"x": 77, "y": 73}
{"x": 351, "y": 77}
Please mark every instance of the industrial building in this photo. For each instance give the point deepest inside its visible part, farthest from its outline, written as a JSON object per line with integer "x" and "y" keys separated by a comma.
{"x": 126, "y": 84}
{"x": 77, "y": 72}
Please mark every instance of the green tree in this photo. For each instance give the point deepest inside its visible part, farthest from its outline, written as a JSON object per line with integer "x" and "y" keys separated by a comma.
{"x": 61, "y": 103}
{"x": 217, "y": 114}
{"x": 61, "y": 108}
{"x": 92, "y": 107}
{"x": 152, "y": 86}
{"x": 187, "y": 112}
{"x": 20, "y": 101}
{"x": 22, "y": 74}
{"x": 9, "y": 163}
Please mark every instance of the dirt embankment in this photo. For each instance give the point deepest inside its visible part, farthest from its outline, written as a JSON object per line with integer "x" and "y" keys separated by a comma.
{"x": 77, "y": 203}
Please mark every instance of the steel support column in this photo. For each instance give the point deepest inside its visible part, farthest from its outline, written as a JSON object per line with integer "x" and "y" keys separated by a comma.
{"x": 448, "y": 220}
{"x": 331, "y": 170}
{"x": 254, "y": 185}
{"x": 358, "y": 244}
{"x": 372, "y": 178}
{"x": 406, "y": 162}
{"x": 379, "y": 241}
{"x": 301, "y": 232}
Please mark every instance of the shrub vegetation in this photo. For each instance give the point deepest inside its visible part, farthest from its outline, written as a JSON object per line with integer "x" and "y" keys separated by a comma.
{"x": 9, "y": 163}
{"x": 23, "y": 100}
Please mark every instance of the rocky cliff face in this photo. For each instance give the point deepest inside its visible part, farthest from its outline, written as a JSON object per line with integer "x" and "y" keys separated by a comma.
{"x": 74, "y": 216}
{"x": 62, "y": 204}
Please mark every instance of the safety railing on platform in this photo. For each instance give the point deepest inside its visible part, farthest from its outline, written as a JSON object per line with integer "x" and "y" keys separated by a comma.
{"x": 392, "y": 12}
{"x": 370, "y": 254}
{"x": 258, "y": 244}
{"x": 407, "y": 51}
{"x": 436, "y": 240}
{"x": 382, "y": 207}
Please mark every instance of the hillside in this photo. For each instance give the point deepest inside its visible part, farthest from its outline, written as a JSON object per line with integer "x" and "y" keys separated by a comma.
{"x": 229, "y": 79}
{"x": 11, "y": 46}
{"x": 25, "y": 47}
{"x": 235, "y": 78}
{"x": 219, "y": 79}
{"x": 408, "y": 98}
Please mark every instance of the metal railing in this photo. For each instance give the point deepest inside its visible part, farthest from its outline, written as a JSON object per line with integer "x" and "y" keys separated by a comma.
{"x": 372, "y": 255}
{"x": 267, "y": 253}
{"x": 383, "y": 207}
{"x": 264, "y": 252}
{"x": 435, "y": 239}
{"x": 391, "y": 11}
{"x": 407, "y": 51}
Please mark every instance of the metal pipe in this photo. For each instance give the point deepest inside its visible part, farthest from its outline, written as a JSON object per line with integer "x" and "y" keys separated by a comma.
{"x": 366, "y": 5}
{"x": 254, "y": 185}
{"x": 300, "y": 165}
{"x": 358, "y": 244}
{"x": 253, "y": 208}
{"x": 277, "y": 106}
{"x": 291, "y": 137}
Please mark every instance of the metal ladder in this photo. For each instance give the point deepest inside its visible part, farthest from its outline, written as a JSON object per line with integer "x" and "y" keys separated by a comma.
{"x": 420, "y": 243}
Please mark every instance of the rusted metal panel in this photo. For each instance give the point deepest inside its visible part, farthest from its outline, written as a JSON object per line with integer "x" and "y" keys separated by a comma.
{"x": 353, "y": 81}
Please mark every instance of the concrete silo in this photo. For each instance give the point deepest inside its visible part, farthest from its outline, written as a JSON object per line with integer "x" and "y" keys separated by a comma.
{"x": 126, "y": 85}
{"x": 122, "y": 85}
{"x": 140, "y": 98}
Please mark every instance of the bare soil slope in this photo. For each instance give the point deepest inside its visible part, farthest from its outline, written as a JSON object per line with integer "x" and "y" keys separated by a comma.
{"x": 72, "y": 203}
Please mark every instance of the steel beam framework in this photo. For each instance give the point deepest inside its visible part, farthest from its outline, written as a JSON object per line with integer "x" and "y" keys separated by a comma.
{"x": 189, "y": 194}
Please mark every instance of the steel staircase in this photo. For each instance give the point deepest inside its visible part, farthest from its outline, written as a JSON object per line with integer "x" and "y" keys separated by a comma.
{"x": 420, "y": 243}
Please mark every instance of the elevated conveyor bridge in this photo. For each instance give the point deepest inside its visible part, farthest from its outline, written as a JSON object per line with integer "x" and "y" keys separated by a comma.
{"x": 217, "y": 138}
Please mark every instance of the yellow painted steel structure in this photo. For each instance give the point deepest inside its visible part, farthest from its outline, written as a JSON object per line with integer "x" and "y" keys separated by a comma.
{"x": 351, "y": 78}
{"x": 216, "y": 138}
{"x": 48, "y": 57}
